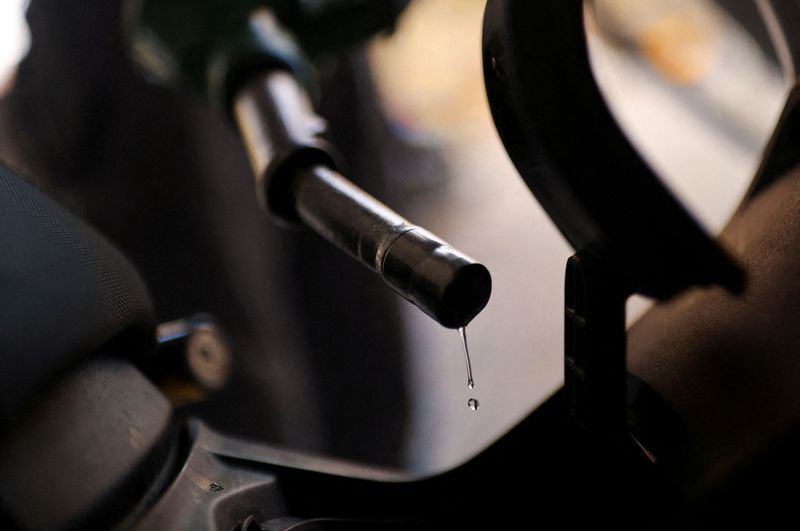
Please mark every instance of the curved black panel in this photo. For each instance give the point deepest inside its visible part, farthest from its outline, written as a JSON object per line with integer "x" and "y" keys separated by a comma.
{"x": 65, "y": 291}
{"x": 574, "y": 157}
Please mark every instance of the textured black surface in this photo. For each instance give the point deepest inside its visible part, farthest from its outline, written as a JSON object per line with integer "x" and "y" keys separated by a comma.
{"x": 65, "y": 291}
{"x": 98, "y": 442}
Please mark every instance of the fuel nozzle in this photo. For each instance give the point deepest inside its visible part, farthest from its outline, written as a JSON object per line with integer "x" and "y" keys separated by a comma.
{"x": 250, "y": 65}
{"x": 295, "y": 172}
{"x": 443, "y": 282}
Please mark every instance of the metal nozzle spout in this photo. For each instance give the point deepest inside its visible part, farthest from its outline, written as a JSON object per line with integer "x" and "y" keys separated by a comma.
{"x": 444, "y": 283}
{"x": 294, "y": 175}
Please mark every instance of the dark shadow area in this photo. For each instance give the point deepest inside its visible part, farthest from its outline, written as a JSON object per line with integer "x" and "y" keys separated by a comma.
{"x": 316, "y": 342}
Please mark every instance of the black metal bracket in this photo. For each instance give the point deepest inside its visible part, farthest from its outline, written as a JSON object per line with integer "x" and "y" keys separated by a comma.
{"x": 594, "y": 345}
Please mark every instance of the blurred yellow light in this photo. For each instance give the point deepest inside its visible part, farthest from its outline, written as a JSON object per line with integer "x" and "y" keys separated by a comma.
{"x": 681, "y": 47}
{"x": 429, "y": 72}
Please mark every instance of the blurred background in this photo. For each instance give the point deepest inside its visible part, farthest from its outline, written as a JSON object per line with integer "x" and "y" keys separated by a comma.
{"x": 325, "y": 358}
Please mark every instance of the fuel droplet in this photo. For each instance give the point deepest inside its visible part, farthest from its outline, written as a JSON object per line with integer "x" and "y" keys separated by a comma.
{"x": 463, "y": 333}
{"x": 473, "y": 404}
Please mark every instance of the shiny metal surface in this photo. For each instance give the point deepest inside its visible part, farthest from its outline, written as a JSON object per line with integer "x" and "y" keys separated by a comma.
{"x": 211, "y": 494}
{"x": 236, "y": 448}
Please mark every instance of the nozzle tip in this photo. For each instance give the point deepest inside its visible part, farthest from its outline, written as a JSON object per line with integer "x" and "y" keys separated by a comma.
{"x": 444, "y": 283}
{"x": 465, "y": 296}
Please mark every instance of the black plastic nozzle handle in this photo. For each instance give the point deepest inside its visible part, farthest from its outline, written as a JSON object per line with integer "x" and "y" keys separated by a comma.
{"x": 295, "y": 177}
{"x": 444, "y": 283}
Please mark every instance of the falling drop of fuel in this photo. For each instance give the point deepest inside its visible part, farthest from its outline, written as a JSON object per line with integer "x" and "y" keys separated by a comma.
{"x": 473, "y": 404}
{"x": 463, "y": 333}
